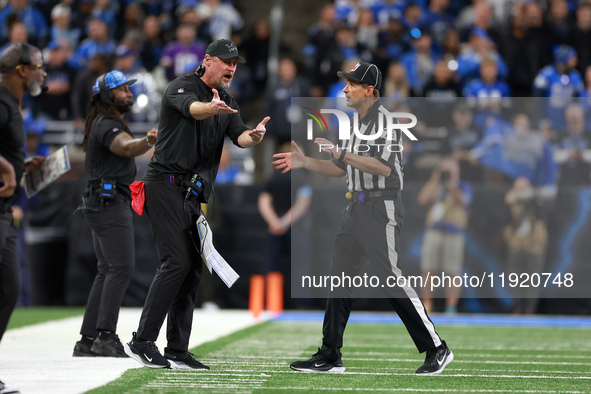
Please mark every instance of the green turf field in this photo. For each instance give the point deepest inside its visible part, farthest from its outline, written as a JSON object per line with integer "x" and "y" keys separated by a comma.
{"x": 381, "y": 358}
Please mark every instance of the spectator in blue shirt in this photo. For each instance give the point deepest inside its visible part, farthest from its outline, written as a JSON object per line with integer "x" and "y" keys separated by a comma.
{"x": 438, "y": 20}
{"x": 386, "y": 10}
{"x": 479, "y": 46}
{"x": 560, "y": 82}
{"x": 97, "y": 42}
{"x": 413, "y": 13}
{"x": 61, "y": 17}
{"x": 106, "y": 10}
{"x": 574, "y": 150}
{"x": 30, "y": 16}
{"x": 18, "y": 35}
{"x": 488, "y": 94}
{"x": 420, "y": 61}
{"x": 392, "y": 43}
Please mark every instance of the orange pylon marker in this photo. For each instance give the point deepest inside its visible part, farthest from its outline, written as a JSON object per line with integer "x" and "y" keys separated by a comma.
{"x": 256, "y": 302}
{"x": 275, "y": 292}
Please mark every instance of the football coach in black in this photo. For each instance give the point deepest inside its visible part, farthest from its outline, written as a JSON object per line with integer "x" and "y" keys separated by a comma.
{"x": 197, "y": 113}
{"x": 370, "y": 227}
{"x": 22, "y": 71}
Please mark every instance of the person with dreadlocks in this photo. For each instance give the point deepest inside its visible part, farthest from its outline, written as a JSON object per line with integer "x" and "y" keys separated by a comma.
{"x": 110, "y": 168}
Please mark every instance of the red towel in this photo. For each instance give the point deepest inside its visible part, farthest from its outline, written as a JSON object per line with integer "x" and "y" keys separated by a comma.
{"x": 138, "y": 197}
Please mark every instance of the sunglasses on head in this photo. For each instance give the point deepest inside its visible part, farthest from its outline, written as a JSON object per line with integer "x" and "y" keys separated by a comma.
{"x": 25, "y": 59}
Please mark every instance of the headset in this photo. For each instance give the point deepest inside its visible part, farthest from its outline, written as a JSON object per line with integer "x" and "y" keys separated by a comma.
{"x": 106, "y": 94}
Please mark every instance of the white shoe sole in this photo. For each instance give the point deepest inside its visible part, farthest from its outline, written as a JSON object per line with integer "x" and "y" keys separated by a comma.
{"x": 448, "y": 360}
{"x": 140, "y": 360}
{"x": 332, "y": 370}
{"x": 179, "y": 365}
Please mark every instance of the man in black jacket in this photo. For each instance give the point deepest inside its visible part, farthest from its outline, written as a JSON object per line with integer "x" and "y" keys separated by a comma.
{"x": 197, "y": 113}
{"x": 22, "y": 71}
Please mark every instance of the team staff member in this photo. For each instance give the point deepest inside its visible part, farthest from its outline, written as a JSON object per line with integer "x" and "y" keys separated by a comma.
{"x": 197, "y": 113}
{"x": 110, "y": 169}
{"x": 370, "y": 228}
{"x": 22, "y": 71}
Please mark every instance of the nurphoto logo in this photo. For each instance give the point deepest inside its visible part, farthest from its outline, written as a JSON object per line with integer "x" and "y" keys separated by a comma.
{"x": 388, "y": 124}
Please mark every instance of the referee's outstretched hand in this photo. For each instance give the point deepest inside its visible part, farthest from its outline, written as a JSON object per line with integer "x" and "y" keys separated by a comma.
{"x": 219, "y": 106}
{"x": 289, "y": 160}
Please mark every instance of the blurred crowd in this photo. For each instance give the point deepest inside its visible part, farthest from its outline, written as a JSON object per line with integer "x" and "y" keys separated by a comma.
{"x": 487, "y": 50}
{"x": 500, "y": 87}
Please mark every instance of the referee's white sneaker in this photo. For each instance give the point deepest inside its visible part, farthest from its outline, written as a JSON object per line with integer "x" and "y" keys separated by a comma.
{"x": 318, "y": 363}
{"x": 436, "y": 360}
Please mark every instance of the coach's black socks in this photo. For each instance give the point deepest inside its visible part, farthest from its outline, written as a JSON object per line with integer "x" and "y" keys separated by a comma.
{"x": 86, "y": 340}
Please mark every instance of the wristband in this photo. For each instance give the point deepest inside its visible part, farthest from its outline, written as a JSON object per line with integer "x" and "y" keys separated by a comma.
{"x": 342, "y": 156}
{"x": 148, "y": 141}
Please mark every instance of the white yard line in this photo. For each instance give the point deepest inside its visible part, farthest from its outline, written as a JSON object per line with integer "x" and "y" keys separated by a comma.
{"x": 38, "y": 359}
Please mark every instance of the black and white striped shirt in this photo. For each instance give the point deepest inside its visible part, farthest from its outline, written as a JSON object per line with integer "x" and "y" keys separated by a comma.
{"x": 383, "y": 149}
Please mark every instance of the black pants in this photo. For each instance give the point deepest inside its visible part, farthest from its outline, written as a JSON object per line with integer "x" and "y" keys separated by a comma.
{"x": 9, "y": 283}
{"x": 174, "y": 289}
{"x": 372, "y": 231}
{"x": 112, "y": 236}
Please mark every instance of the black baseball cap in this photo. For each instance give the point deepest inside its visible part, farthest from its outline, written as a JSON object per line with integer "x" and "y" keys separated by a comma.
{"x": 367, "y": 73}
{"x": 224, "y": 49}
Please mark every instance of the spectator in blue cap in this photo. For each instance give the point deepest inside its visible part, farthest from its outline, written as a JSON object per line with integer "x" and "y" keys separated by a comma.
{"x": 110, "y": 168}
{"x": 560, "y": 80}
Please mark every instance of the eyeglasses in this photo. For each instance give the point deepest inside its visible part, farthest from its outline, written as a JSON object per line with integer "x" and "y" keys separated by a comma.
{"x": 38, "y": 67}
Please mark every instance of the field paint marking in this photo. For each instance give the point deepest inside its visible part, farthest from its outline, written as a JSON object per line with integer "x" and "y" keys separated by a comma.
{"x": 242, "y": 372}
{"x": 481, "y": 355}
{"x": 416, "y": 390}
{"x": 245, "y": 373}
{"x": 267, "y": 365}
{"x": 415, "y": 360}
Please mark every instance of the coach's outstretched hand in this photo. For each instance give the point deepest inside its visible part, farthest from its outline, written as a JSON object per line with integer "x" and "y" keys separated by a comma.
{"x": 258, "y": 132}
{"x": 219, "y": 106}
{"x": 250, "y": 138}
{"x": 290, "y": 160}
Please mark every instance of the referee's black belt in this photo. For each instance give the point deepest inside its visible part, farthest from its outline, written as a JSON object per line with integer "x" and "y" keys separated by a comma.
{"x": 369, "y": 194}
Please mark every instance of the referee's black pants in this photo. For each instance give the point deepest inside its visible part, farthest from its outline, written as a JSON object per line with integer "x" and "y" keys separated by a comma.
{"x": 9, "y": 282}
{"x": 174, "y": 288}
{"x": 113, "y": 240}
{"x": 372, "y": 231}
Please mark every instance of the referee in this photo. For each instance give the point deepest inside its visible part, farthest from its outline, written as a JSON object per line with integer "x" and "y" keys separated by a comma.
{"x": 110, "y": 169}
{"x": 370, "y": 228}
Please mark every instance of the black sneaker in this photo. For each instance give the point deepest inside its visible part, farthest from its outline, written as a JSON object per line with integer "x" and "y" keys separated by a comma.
{"x": 108, "y": 347}
{"x": 83, "y": 350}
{"x": 146, "y": 353}
{"x": 183, "y": 360}
{"x": 318, "y": 363}
{"x": 6, "y": 390}
{"x": 436, "y": 360}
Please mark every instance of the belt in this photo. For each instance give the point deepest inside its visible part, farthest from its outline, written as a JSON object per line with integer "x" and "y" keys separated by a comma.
{"x": 362, "y": 196}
